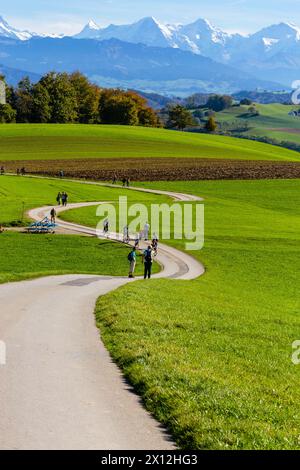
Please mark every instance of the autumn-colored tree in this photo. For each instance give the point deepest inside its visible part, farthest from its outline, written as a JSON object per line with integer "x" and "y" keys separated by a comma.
{"x": 211, "y": 125}
{"x": 63, "y": 98}
{"x": 117, "y": 108}
{"x": 87, "y": 96}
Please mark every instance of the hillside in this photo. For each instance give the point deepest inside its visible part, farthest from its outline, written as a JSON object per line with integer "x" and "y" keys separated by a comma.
{"x": 59, "y": 142}
{"x": 273, "y": 121}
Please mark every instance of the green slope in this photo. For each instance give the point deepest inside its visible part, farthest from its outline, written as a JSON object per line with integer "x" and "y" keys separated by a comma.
{"x": 212, "y": 357}
{"x": 42, "y": 142}
{"x": 274, "y": 121}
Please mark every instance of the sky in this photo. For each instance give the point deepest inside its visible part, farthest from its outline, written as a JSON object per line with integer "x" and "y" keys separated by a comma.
{"x": 69, "y": 16}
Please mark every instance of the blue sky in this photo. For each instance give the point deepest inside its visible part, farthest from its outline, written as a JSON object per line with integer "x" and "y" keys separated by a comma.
{"x": 68, "y": 16}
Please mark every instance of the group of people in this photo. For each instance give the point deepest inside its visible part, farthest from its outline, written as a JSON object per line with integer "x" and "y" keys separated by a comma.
{"x": 125, "y": 181}
{"x": 21, "y": 171}
{"x": 148, "y": 257}
{"x": 62, "y": 199}
{"x": 148, "y": 254}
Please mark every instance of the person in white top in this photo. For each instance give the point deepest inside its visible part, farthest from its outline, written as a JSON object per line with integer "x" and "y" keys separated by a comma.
{"x": 146, "y": 231}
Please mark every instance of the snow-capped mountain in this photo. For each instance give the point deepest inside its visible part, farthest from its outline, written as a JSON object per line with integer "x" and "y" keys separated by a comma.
{"x": 90, "y": 31}
{"x": 208, "y": 40}
{"x": 148, "y": 31}
{"x": 200, "y": 37}
{"x": 9, "y": 32}
{"x": 272, "y": 54}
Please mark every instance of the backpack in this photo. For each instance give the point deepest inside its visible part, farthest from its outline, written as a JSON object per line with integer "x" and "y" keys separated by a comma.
{"x": 148, "y": 256}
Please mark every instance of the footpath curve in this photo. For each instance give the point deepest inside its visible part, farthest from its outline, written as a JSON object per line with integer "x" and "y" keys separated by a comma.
{"x": 59, "y": 387}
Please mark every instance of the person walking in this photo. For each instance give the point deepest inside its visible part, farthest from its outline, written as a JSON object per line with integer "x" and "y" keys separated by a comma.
{"x": 154, "y": 245}
{"x": 114, "y": 179}
{"x": 148, "y": 261}
{"x": 137, "y": 241}
{"x": 2, "y": 170}
{"x": 105, "y": 226}
{"x": 58, "y": 198}
{"x": 53, "y": 215}
{"x": 146, "y": 231}
{"x": 132, "y": 261}
{"x": 66, "y": 199}
{"x": 126, "y": 234}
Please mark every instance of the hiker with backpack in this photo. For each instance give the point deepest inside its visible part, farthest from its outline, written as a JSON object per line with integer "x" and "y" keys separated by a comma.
{"x": 148, "y": 261}
{"x": 132, "y": 260}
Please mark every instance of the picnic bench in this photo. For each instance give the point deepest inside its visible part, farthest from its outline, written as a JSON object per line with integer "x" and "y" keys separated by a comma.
{"x": 44, "y": 226}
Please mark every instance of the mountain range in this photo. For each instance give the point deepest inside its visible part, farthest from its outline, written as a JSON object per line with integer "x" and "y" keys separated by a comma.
{"x": 162, "y": 58}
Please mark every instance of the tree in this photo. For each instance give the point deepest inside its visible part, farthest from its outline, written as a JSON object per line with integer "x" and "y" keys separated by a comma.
{"x": 148, "y": 117}
{"x": 219, "y": 102}
{"x": 119, "y": 110}
{"x": 246, "y": 102}
{"x": 41, "y": 111}
{"x": 87, "y": 97}
{"x": 211, "y": 125}
{"x": 253, "y": 111}
{"x": 23, "y": 100}
{"x": 179, "y": 118}
{"x": 7, "y": 113}
{"x": 63, "y": 103}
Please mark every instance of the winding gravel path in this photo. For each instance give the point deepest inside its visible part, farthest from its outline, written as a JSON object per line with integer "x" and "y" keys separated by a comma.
{"x": 59, "y": 388}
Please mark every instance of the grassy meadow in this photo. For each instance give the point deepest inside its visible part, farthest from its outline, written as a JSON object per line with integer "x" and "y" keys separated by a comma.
{"x": 25, "y": 256}
{"x": 59, "y": 142}
{"x": 212, "y": 357}
{"x": 19, "y": 194}
{"x": 273, "y": 121}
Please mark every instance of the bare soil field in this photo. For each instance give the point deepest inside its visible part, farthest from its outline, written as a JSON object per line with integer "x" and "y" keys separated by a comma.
{"x": 159, "y": 169}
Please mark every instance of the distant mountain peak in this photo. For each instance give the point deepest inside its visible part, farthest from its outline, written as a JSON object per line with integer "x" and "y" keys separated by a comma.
{"x": 9, "y": 32}
{"x": 92, "y": 24}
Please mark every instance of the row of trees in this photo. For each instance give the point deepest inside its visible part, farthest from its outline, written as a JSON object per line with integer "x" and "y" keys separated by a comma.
{"x": 72, "y": 98}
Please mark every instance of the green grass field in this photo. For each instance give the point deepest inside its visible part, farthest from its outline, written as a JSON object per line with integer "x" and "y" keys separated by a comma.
{"x": 59, "y": 142}
{"x": 19, "y": 194}
{"x": 212, "y": 357}
{"x": 273, "y": 121}
{"x": 25, "y": 256}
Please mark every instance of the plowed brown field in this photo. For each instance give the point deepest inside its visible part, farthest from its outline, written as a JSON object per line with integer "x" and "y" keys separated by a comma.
{"x": 156, "y": 169}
